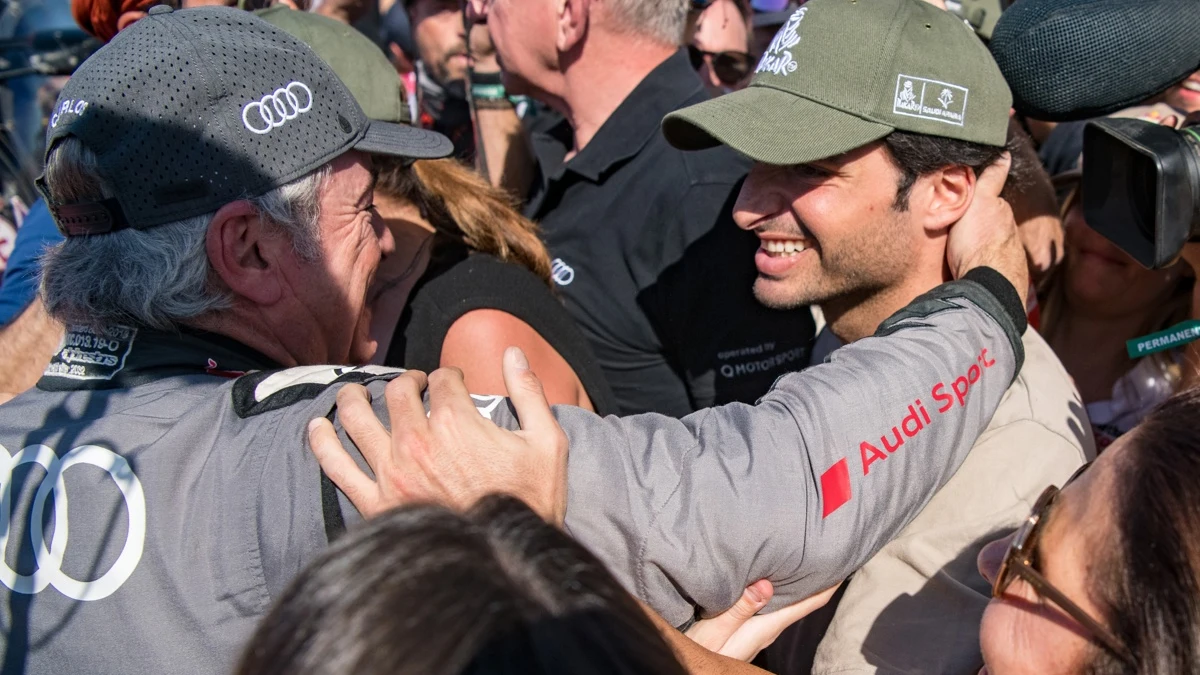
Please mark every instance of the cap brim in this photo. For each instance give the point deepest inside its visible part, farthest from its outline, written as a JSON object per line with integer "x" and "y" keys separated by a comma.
{"x": 401, "y": 140}
{"x": 771, "y": 126}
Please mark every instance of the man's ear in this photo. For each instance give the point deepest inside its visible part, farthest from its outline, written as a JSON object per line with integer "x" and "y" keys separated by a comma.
{"x": 940, "y": 199}
{"x": 245, "y": 253}
{"x": 572, "y": 23}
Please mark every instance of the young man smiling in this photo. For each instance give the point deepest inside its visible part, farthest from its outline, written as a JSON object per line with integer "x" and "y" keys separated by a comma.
{"x": 864, "y": 159}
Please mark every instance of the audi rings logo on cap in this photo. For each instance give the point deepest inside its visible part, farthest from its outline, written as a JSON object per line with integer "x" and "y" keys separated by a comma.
{"x": 276, "y": 108}
{"x": 50, "y": 560}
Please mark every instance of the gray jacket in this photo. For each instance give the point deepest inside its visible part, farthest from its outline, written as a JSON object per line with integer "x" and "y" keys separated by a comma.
{"x": 193, "y": 499}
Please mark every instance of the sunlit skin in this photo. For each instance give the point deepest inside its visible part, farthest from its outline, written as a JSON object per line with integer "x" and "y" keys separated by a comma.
{"x": 850, "y": 251}
{"x": 1103, "y": 279}
{"x": 330, "y": 293}
{"x": 523, "y": 33}
{"x": 440, "y": 38}
{"x": 1185, "y": 95}
{"x": 1022, "y": 633}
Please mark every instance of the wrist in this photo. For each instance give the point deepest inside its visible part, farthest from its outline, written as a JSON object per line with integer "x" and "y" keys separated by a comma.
{"x": 487, "y": 91}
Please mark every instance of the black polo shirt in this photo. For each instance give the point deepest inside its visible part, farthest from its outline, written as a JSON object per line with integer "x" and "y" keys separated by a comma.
{"x": 649, "y": 260}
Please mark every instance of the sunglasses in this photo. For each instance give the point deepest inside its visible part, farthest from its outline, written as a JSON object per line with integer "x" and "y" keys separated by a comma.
{"x": 1018, "y": 562}
{"x": 730, "y": 67}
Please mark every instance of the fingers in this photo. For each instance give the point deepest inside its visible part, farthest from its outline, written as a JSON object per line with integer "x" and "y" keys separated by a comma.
{"x": 406, "y": 410}
{"x": 526, "y": 393}
{"x": 991, "y": 181}
{"x": 761, "y": 631}
{"x": 714, "y": 633}
{"x": 356, "y": 416}
{"x": 448, "y": 393}
{"x": 341, "y": 469}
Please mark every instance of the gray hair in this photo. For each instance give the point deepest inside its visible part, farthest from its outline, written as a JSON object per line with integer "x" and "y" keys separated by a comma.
{"x": 662, "y": 21}
{"x": 159, "y": 277}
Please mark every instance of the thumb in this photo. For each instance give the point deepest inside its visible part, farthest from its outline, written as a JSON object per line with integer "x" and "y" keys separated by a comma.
{"x": 715, "y": 632}
{"x": 991, "y": 181}
{"x": 526, "y": 392}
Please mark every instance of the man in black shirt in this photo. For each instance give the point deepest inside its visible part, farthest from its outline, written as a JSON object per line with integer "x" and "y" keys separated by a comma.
{"x": 647, "y": 256}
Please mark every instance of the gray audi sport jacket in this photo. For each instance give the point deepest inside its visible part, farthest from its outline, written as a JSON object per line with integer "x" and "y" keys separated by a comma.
{"x": 159, "y": 492}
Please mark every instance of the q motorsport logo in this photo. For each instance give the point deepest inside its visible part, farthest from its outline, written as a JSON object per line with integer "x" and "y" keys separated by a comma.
{"x": 930, "y": 100}
{"x": 778, "y": 57}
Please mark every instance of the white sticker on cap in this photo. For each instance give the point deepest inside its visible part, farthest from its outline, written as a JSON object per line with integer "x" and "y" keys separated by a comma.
{"x": 930, "y": 100}
{"x": 778, "y": 57}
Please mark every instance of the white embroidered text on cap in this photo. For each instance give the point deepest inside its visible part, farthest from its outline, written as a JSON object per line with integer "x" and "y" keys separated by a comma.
{"x": 778, "y": 57}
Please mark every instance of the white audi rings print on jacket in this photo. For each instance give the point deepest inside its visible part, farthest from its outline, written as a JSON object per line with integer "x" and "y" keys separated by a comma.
{"x": 276, "y": 108}
{"x": 50, "y": 560}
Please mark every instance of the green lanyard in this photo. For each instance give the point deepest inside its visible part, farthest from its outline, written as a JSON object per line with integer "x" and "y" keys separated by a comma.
{"x": 1176, "y": 336}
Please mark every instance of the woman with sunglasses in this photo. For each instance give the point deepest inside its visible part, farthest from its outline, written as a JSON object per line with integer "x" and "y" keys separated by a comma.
{"x": 1104, "y": 576}
{"x": 720, "y": 43}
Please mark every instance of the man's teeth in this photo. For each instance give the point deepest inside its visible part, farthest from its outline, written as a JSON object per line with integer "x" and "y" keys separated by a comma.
{"x": 783, "y": 248}
{"x": 1191, "y": 85}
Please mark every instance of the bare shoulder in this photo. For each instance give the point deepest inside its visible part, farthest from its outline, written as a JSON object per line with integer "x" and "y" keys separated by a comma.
{"x": 476, "y": 342}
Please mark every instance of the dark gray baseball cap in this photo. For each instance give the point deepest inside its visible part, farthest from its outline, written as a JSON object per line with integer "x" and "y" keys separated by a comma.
{"x": 189, "y": 110}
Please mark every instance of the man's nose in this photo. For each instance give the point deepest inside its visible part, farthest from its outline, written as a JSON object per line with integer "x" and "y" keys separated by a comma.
{"x": 991, "y": 556}
{"x": 757, "y": 199}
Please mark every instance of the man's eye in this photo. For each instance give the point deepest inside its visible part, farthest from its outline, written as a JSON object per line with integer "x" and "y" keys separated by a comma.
{"x": 810, "y": 171}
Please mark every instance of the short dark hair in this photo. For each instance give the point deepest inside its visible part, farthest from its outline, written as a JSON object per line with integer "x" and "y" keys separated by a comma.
{"x": 421, "y": 589}
{"x": 1151, "y": 585}
{"x": 919, "y": 154}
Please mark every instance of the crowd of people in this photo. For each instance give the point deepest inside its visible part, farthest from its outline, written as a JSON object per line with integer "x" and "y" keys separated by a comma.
{"x": 583, "y": 336}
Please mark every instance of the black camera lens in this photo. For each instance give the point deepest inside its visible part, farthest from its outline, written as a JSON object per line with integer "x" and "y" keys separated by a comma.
{"x": 1141, "y": 187}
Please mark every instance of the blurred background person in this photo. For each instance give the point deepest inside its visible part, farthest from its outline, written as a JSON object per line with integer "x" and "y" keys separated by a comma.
{"x": 1099, "y": 298}
{"x": 458, "y": 84}
{"x": 1101, "y": 577}
{"x": 719, "y": 45}
{"x": 470, "y": 278}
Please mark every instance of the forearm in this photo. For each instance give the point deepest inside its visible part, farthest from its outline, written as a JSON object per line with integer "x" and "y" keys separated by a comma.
{"x": 505, "y": 148}
{"x": 26, "y": 346}
{"x": 804, "y": 487}
{"x": 696, "y": 659}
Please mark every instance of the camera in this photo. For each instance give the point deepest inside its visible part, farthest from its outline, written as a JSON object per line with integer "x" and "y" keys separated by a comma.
{"x": 1141, "y": 187}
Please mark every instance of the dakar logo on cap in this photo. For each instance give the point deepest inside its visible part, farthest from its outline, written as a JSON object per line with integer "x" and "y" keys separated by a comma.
{"x": 930, "y": 100}
{"x": 67, "y": 107}
{"x": 778, "y": 58}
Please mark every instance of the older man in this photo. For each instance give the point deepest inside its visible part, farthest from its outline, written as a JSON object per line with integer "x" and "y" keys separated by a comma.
{"x": 213, "y": 178}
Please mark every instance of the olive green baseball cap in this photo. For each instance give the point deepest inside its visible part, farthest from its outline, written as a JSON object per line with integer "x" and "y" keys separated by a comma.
{"x": 358, "y": 62}
{"x": 840, "y": 74}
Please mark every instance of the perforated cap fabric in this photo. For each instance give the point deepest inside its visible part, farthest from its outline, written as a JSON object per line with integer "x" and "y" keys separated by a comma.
{"x": 189, "y": 110}
{"x": 840, "y": 74}
{"x": 1076, "y": 59}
